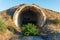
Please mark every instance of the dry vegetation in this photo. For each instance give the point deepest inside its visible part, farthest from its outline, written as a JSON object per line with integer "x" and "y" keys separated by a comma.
{"x": 52, "y": 18}
{"x": 50, "y": 15}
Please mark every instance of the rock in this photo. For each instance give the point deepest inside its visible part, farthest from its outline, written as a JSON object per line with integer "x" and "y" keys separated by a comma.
{"x": 54, "y": 36}
{"x": 28, "y": 38}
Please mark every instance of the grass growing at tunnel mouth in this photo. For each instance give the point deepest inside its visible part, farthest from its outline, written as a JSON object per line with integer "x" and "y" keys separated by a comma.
{"x": 29, "y": 30}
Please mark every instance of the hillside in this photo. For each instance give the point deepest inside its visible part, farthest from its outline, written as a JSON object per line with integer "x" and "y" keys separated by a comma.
{"x": 49, "y": 25}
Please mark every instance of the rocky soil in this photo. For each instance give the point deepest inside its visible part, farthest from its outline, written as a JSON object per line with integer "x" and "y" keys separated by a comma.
{"x": 50, "y": 31}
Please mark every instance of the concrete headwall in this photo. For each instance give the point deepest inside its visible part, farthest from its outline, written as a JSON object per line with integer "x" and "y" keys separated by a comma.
{"x": 39, "y": 12}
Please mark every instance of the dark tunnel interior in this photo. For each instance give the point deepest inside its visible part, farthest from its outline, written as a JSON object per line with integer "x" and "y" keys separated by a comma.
{"x": 27, "y": 16}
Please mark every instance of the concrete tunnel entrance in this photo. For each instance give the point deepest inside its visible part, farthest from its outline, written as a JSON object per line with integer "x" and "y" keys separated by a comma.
{"x": 27, "y": 16}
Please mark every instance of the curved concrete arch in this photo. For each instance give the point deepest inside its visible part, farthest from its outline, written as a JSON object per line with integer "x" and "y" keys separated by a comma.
{"x": 41, "y": 16}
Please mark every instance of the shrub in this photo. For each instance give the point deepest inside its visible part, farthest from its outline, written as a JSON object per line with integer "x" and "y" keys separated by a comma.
{"x": 29, "y": 30}
{"x": 11, "y": 29}
{"x": 3, "y": 26}
{"x": 57, "y": 20}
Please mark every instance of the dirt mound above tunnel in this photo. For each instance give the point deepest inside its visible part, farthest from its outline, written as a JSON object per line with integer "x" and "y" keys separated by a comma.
{"x": 50, "y": 16}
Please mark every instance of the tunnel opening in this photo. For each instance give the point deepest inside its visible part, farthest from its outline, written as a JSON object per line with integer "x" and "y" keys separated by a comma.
{"x": 27, "y": 16}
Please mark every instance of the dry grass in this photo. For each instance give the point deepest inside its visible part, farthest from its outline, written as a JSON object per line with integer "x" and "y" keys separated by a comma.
{"x": 50, "y": 15}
